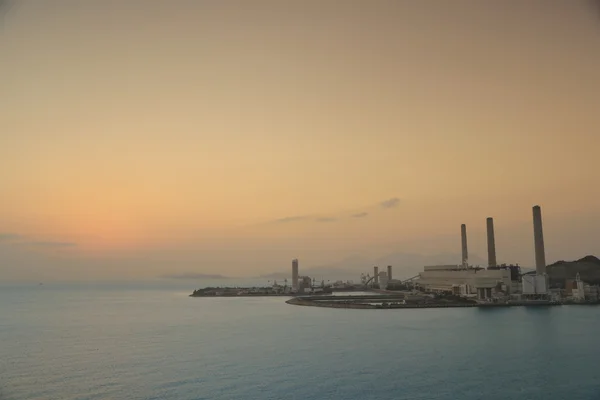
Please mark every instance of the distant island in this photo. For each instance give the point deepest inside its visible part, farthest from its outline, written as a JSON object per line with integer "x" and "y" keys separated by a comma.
{"x": 194, "y": 275}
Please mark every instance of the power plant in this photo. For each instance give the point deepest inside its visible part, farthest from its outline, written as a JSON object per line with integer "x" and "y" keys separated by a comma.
{"x": 456, "y": 285}
{"x": 497, "y": 281}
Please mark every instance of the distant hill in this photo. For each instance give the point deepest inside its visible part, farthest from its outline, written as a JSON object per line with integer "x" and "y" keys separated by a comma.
{"x": 588, "y": 268}
{"x": 277, "y": 275}
{"x": 194, "y": 275}
{"x": 405, "y": 265}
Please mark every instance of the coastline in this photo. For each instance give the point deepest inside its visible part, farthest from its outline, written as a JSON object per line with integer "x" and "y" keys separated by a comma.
{"x": 320, "y": 301}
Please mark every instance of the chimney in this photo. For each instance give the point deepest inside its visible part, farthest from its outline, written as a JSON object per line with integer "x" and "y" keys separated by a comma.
{"x": 295, "y": 274}
{"x": 389, "y": 273}
{"x": 376, "y": 275}
{"x": 465, "y": 252}
{"x": 538, "y": 237}
{"x": 491, "y": 243}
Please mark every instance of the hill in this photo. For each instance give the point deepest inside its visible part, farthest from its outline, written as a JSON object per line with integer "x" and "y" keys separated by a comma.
{"x": 588, "y": 268}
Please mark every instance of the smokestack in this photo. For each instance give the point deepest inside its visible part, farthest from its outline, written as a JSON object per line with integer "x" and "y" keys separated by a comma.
{"x": 389, "y": 272}
{"x": 465, "y": 252}
{"x": 376, "y": 275}
{"x": 295, "y": 274}
{"x": 538, "y": 237}
{"x": 491, "y": 243}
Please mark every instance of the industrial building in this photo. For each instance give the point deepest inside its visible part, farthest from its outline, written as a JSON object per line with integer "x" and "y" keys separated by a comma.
{"x": 469, "y": 281}
{"x": 495, "y": 281}
{"x": 300, "y": 284}
{"x": 383, "y": 279}
{"x": 305, "y": 285}
{"x": 380, "y": 279}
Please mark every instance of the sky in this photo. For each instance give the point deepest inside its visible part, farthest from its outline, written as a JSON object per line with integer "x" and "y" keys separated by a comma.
{"x": 144, "y": 137}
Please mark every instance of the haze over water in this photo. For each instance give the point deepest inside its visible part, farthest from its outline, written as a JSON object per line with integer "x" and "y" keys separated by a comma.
{"x": 141, "y": 341}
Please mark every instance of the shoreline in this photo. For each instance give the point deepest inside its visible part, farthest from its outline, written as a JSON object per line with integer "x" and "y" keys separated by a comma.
{"x": 326, "y": 303}
{"x": 386, "y": 301}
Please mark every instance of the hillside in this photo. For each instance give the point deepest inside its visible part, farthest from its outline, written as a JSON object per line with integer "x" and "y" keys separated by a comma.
{"x": 588, "y": 268}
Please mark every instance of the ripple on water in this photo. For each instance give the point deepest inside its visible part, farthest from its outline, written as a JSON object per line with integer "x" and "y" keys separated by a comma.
{"x": 158, "y": 344}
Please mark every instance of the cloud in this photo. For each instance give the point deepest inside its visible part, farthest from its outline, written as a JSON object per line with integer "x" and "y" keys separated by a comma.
{"x": 326, "y": 219}
{"x": 51, "y": 244}
{"x": 595, "y": 4}
{"x": 20, "y": 240}
{"x": 7, "y": 237}
{"x": 360, "y": 215}
{"x": 390, "y": 203}
{"x": 292, "y": 219}
{"x": 355, "y": 213}
{"x": 5, "y": 6}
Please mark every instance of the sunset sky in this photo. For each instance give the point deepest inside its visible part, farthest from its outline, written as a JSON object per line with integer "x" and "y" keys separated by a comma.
{"x": 145, "y": 137}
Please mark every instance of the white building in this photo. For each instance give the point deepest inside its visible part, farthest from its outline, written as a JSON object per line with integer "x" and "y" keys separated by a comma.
{"x": 383, "y": 280}
{"x": 535, "y": 284}
{"x": 465, "y": 282}
{"x": 578, "y": 291}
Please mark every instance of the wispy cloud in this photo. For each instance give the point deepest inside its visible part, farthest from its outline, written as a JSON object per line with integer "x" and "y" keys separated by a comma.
{"x": 390, "y": 203}
{"x": 20, "y": 240}
{"x": 360, "y": 215}
{"x": 326, "y": 219}
{"x": 7, "y": 237}
{"x": 292, "y": 219}
{"x": 595, "y": 4}
{"x": 362, "y": 212}
{"x": 51, "y": 244}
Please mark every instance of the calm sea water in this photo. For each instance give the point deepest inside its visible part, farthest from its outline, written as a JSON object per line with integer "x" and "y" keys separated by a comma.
{"x": 123, "y": 341}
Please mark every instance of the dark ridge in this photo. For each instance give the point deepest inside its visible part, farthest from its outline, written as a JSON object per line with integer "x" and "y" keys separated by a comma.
{"x": 590, "y": 259}
{"x": 587, "y": 267}
{"x": 587, "y": 259}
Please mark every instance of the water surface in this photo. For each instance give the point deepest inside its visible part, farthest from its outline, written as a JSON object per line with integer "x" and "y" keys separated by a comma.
{"x": 124, "y": 341}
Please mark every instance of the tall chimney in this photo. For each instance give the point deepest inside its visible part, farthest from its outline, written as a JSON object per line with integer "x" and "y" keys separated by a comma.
{"x": 491, "y": 243}
{"x": 389, "y": 273}
{"x": 465, "y": 252}
{"x": 538, "y": 237}
{"x": 376, "y": 275}
{"x": 295, "y": 274}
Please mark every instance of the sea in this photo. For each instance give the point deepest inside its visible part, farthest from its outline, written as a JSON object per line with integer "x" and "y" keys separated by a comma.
{"x": 149, "y": 340}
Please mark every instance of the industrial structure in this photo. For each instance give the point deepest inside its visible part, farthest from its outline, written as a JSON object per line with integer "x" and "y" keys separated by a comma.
{"x": 295, "y": 274}
{"x": 491, "y": 243}
{"x": 536, "y": 286}
{"x": 463, "y": 242}
{"x": 497, "y": 281}
{"x": 380, "y": 279}
{"x": 305, "y": 285}
{"x": 461, "y": 285}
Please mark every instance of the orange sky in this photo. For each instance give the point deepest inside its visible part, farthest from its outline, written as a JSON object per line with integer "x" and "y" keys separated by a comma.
{"x": 176, "y": 131}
